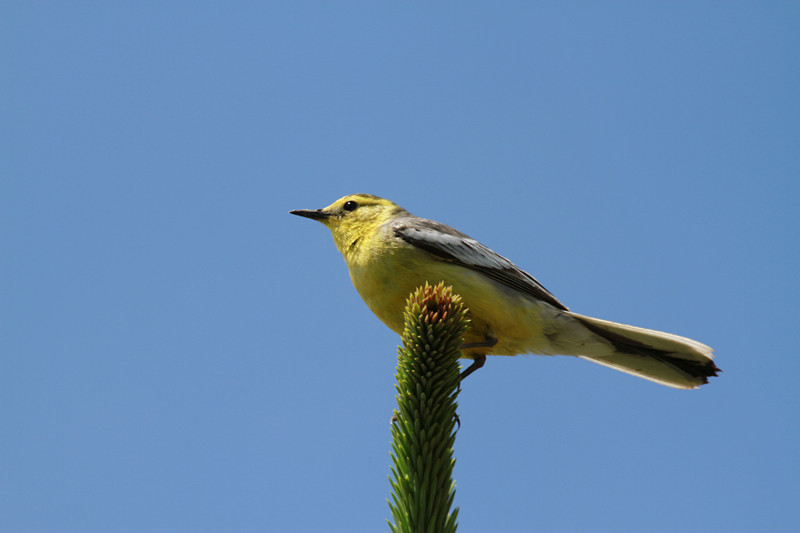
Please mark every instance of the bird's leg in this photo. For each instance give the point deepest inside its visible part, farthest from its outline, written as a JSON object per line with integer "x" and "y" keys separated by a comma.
{"x": 488, "y": 343}
{"x": 477, "y": 360}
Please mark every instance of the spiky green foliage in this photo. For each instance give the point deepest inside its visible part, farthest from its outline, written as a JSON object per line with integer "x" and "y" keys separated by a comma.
{"x": 424, "y": 433}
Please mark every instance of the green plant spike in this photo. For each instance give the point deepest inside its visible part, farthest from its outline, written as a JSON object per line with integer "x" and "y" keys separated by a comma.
{"x": 423, "y": 434}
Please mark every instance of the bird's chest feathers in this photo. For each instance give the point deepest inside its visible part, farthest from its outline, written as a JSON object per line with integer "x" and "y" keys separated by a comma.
{"x": 372, "y": 268}
{"x": 380, "y": 274}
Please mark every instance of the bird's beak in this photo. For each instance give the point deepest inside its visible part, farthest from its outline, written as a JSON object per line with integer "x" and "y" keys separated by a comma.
{"x": 316, "y": 214}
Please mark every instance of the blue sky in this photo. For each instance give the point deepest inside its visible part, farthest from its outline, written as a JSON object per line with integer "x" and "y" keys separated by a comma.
{"x": 181, "y": 354}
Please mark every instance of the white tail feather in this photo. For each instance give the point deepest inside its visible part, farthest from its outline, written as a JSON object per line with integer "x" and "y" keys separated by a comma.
{"x": 661, "y": 357}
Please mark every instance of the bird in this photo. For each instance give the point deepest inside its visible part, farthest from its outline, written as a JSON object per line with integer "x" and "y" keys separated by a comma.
{"x": 389, "y": 253}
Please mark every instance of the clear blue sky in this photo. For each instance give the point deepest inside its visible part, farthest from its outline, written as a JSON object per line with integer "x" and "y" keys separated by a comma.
{"x": 181, "y": 354}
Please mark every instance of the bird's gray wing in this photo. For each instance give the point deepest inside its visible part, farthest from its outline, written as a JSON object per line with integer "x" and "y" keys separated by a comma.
{"x": 451, "y": 245}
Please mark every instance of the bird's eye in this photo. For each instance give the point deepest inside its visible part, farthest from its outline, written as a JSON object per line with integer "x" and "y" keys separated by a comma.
{"x": 350, "y": 206}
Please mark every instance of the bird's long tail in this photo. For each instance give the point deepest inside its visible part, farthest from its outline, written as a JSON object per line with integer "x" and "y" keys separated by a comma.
{"x": 660, "y": 357}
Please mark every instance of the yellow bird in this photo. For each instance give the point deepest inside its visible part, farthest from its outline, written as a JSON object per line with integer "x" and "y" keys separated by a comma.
{"x": 390, "y": 252}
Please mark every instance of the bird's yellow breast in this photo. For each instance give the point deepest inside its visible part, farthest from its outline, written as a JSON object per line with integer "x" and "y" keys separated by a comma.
{"x": 386, "y": 272}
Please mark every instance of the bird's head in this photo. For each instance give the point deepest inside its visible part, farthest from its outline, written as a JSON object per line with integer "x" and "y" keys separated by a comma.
{"x": 353, "y": 217}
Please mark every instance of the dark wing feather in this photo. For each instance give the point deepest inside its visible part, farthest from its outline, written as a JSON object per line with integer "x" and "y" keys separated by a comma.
{"x": 455, "y": 247}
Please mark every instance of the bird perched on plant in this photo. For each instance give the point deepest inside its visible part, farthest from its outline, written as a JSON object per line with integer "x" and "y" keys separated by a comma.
{"x": 390, "y": 252}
